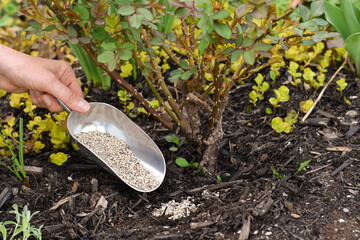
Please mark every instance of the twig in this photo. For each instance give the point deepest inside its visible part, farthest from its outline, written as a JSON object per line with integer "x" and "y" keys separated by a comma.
{"x": 323, "y": 90}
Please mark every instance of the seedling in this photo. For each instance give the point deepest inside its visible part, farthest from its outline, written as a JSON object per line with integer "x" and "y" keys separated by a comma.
{"x": 257, "y": 94}
{"x": 309, "y": 75}
{"x": 58, "y": 158}
{"x": 286, "y": 125}
{"x": 173, "y": 139}
{"x": 306, "y": 105}
{"x": 182, "y": 162}
{"x": 342, "y": 85}
{"x": 276, "y": 174}
{"x": 293, "y": 67}
{"x": 22, "y": 225}
{"x": 282, "y": 95}
{"x": 302, "y": 166}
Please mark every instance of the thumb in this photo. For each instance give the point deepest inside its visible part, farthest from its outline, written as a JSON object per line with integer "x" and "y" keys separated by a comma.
{"x": 69, "y": 98}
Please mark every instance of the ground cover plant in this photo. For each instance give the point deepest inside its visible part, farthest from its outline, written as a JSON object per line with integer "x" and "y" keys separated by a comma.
{"x": 213, "y": 47}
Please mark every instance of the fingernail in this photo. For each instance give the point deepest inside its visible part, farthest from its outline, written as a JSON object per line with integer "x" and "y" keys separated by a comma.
{"x": 83, "y": 106}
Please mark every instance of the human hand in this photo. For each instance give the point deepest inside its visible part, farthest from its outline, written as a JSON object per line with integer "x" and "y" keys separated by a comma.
{"x": 44, "y": 79}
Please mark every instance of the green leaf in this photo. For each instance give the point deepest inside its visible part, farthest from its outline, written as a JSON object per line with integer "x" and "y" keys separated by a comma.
{"x": 310, "y": 25}
{"x": 156, "y": 41}
{"x": 185, "y": 75}
{"x": 304, "y": 12}
{"x": 106, "y": 56}
{"x": 350, "y": 16}
{"x": 84, "y": 13}
{"x": 182, "y": 12}
{"x": 302, "y": 166}
{"x": 50, "y": 28}
{"x": 235, "y": 55}
{"x": 173, "y": 149}
{"x": 184, "y": 64}
{"x": 317, "y": 8}
{"x": 124, "y": 54}
{"x": 320, "y": 22}
{"x": 308, "y": 43}
{"x": 61, "y": 37}
{"x": 146, "y": 13}
{"x": 3, "y": 230}
{"x": 35, "y": 25}
{"x": 128, "y": 45}
{"x": 84, "y": 40}
{"x": 239, "y": 40}
{"x": 11, "y": 8}
{"x": 171, "y": 37}
{"x": 248, "y": 41}
{"x": 108, "y": 46}
{"x": 72, "y": 32}
{"x": 221, "y": 14}
{"x": 335, "y": 16}
{"x": 261, "y": 46}
{"x": 223, "y": 30}
{"x": 73, "y": 41}
{"x": 176, "y": 72}
{"x": 58, "y": 158}
{"x": 172, "y": 139}
{"x": 124, "y": 2}
{"x": 126, "y": 10}
{"x": 277, "y": 124}
{"x": 322, "y": 35}
{"x": 249, "y": 57}
{"x": 182, "y": 162}
{"x": 136, "y": 20}
{"x": 352, "y": 45}
{"x": 202, "y": 46}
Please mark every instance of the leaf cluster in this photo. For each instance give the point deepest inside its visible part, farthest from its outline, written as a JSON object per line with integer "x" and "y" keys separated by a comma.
{"x": 22, "y": 226}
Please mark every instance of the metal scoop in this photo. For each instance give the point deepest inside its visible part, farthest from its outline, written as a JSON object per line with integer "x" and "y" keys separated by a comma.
{"x": 106, "y": 118}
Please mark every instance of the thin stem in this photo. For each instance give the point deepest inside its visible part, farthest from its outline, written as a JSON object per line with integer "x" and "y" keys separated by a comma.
{"x": 323, "y": 90}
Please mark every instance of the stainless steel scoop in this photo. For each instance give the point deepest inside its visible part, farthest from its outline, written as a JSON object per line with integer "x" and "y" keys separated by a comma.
{"x": 106, "y": 118}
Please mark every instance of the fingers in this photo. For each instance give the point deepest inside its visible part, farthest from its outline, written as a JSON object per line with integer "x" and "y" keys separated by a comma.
{"x": 44, "y": 100}
{"x": 69, "y": 97}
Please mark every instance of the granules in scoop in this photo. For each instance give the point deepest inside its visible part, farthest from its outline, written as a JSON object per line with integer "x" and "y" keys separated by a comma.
{"x": 117, "y": 154}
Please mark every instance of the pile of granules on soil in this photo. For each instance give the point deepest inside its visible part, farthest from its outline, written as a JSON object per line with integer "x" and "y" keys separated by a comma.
{"x": 117, "y": 154}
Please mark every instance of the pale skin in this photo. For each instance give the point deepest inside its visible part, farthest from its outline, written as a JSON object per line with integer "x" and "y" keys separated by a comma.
{"x": 44, "y": 79}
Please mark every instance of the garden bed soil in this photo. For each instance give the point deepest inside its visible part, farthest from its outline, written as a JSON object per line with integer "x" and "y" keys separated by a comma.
{"x": 322, "y": 202}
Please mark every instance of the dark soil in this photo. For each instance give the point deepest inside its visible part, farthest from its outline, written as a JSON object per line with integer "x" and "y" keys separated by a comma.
{"x": 319, "y": 203}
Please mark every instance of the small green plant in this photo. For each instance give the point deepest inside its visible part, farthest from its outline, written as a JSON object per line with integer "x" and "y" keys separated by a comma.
{"x": 276, "y": 174}
{"x": 58, "y": 158}
{"x": 342, "y": 85}
{"x": 306, "y": 105}
{"x": 17, "y": 161}
{"x": 293, "y": 67}
{"x": 302, "y": 166}
{"x": 282, "y": 95}
{"x": 257, "y": 94}
{"x": 173, "y": 139}
{"x": 286, "y": 125}
{"x": 182, "y": 162}
{"x": 22, "y": 225}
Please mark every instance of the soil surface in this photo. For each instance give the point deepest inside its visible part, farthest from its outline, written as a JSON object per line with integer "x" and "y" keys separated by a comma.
{"x": 322, "y": 202}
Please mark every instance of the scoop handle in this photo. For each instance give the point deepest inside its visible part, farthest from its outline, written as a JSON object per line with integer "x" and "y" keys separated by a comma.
{"x": 68, "y": 110}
